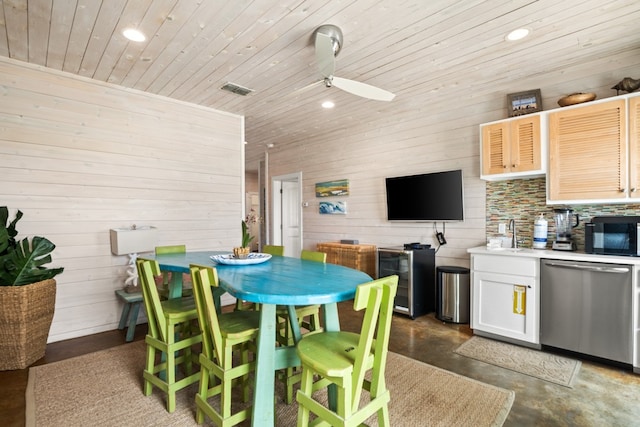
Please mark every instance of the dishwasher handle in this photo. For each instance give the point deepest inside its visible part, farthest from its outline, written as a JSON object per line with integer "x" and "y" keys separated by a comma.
{"x": 587, "y": 267}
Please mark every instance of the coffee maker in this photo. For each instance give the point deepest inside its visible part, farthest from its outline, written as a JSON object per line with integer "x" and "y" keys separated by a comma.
{"x": 564, "y": 225}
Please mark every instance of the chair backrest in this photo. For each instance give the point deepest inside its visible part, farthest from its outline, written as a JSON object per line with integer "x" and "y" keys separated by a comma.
{"x": 147, "y": 269}
{"x": 377, "y": 297}
{"x": 273, "y": 250}
{"x": 313, "y": 256}
{"x": 174, "y": 249}
{"x": 203, "y": 278}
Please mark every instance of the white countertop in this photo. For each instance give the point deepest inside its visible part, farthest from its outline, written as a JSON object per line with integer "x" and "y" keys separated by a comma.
{"x": 551, "y": 254}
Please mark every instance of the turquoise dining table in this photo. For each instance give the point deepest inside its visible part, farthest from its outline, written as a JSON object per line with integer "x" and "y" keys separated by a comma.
{"x": 279, "y": 281}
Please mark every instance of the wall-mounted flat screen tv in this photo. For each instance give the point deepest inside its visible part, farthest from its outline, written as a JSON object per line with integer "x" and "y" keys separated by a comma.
{"x": 437, "y": 196}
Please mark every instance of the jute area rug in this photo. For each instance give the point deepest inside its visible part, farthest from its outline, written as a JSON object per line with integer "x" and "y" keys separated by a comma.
{"x": 545, "y": 366}
{"x": 105, "y": 388}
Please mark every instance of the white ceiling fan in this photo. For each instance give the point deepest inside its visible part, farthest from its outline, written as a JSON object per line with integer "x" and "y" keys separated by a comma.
{"x": 328, "y": 42}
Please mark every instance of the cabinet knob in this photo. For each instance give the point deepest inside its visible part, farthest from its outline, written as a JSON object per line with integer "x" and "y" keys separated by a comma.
{"x": 504, "y": 166}
{"x": 513, "y": 166}
{"x": 633, "y": 190}
{"x": 622, "y": 190}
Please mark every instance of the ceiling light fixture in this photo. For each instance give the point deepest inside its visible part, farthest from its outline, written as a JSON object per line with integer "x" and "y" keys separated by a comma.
{"x": 328, "y": 104}
{"x": 134, "y": 35}
{"x": 517, "y": 34}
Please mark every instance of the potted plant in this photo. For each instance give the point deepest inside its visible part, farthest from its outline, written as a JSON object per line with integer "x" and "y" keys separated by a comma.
{"x": 243, "y": 251}
{"x": 27, "y": 295}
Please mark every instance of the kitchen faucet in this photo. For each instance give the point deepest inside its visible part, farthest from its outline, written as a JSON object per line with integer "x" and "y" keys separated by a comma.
{"x": 514, "y": 238}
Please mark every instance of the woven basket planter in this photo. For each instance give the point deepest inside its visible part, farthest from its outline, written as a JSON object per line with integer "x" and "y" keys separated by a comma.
{"x": 26, "y": 313}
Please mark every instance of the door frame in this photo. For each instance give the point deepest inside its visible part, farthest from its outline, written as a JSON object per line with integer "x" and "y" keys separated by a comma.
{"x": 277, "y": 201}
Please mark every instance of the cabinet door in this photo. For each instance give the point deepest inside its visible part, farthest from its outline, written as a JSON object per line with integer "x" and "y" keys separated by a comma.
{"x": 512, "y": 146}
{"x": 588, "y": 152}
{"x": 634, "y": 147}
{"x": 505, "y": 305}
{"x": 496, "y": 148}
{"x": 525, "y": 144}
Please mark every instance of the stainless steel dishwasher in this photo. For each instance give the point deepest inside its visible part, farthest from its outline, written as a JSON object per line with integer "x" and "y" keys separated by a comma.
{"x": 586, "y": 307}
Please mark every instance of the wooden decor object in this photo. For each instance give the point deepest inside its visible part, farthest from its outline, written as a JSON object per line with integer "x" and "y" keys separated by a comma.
{"x": 360, "y": 257}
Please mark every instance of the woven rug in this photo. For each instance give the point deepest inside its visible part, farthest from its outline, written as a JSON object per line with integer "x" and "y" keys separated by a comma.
{"x": 545, "y": 366}
{"x": 105, "y": 388}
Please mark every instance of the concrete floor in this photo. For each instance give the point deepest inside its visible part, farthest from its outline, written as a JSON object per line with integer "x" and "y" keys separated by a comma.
{"x": 602, "y": 395}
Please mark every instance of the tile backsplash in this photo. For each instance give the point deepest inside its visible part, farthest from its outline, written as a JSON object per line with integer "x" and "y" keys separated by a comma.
{"x": 525, "y": 199}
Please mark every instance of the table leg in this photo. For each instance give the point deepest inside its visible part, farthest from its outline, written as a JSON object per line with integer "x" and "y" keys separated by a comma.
{"x": 175, "y": 285}
{"x": 331, "y": 323}
{"x": 293, "y": 322}
{"x": 263, "y": 396}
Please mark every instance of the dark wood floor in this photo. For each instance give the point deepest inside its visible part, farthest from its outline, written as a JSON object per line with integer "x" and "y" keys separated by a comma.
{"x": 13, "y": 384}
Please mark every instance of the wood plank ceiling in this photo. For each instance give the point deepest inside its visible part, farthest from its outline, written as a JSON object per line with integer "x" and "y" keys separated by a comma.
{"x": 426, "y": 52}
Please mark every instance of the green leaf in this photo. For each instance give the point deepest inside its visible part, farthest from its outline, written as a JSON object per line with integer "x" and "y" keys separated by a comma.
{"x": 8, "y": 232}
{"x": 25, "y": 264}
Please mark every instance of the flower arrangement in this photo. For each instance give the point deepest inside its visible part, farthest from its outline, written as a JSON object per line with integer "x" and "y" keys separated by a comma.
{"x": 251, "y": 218}
{"x": 243, "y": 251}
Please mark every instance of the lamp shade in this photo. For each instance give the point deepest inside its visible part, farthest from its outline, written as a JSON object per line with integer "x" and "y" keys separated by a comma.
{"x": 133, "y": 240}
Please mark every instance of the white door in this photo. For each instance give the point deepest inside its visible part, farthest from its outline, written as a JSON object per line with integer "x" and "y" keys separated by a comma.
{"x": 287, "y": 213}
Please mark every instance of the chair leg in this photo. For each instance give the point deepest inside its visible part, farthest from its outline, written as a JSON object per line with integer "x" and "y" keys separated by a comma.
{"x": 203, "y": 392}
{"x": 383, "y": 416}
{"x": 151, "y": 356}
{"x": 306, "y": 387}
{"x": 171, "y": 379}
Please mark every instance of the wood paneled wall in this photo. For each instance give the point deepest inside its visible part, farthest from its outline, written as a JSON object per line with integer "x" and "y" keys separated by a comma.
{"x": 80, "y": 157}
{"x": 443, "y": 135}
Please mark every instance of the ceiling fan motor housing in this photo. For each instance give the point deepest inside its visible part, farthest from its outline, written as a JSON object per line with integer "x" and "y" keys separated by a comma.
{"x": 334, "y": 33}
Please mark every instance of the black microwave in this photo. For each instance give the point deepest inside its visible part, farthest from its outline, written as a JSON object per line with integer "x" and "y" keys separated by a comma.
{"x": 613, "y": 235}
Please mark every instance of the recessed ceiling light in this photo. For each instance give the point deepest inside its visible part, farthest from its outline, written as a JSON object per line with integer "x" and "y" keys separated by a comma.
{"x": 134, "y": 35}
{"x": 517, "y": 34}
{"x": 328, "y": 104}
{"x": 270, "y": 145}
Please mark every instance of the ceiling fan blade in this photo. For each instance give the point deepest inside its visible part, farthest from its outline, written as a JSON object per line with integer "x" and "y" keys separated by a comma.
{"x": 362, "y": 89}
{"x": 304, "y": 89}
{"x": 325, "y": 57}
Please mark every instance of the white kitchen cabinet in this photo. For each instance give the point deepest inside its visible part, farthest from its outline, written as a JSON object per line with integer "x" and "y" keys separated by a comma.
{"x": 505, "y": 297}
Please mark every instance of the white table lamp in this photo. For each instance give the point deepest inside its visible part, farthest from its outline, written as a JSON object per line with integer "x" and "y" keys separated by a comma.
{"x": 131, "y": 241}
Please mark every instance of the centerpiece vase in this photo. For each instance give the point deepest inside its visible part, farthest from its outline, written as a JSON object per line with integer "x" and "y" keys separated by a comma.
{"x": 241, "y": 252}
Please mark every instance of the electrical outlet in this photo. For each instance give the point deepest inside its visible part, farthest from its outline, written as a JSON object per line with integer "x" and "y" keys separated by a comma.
{"x": 441, "y": 238}
{"x": 502, "y": 228}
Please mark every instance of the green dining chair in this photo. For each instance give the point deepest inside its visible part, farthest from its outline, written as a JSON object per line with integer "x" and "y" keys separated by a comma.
{"x": 222, "y": 335}
{"x": 274, "y": 250}
{"x": 308, "y": 321}
{"x": 166, "y": 275}
{"x": 343, "y": 358}
{"x": 171, "y": 334}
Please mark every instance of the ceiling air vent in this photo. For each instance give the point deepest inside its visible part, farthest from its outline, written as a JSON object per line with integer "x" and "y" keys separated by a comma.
{"x": 234, "y": 88}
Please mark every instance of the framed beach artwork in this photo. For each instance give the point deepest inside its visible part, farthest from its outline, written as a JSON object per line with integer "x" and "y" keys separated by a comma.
{"x": 333, "y": 208}
{"x": 332, "y": 188}
{"x": 526, "y": 102}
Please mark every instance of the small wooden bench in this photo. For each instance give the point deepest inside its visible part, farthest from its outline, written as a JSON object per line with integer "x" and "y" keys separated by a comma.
{"x": 129, "y": 316}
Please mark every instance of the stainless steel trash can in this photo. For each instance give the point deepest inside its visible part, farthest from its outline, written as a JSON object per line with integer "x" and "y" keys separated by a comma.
{"x": 452, "y": 294}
